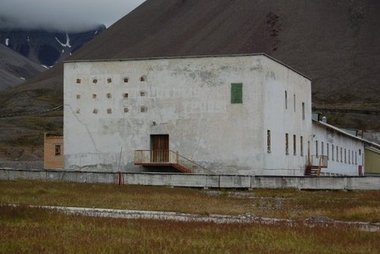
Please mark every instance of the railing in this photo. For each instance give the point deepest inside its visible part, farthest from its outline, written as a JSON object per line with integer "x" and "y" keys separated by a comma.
{"x": 155, "y": 156}
{"x": 321, "y": 160}
{"x": 152, "y": 157}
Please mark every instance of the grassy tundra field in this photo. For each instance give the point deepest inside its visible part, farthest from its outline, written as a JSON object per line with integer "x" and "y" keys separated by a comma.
{"x": 33, "y": 230}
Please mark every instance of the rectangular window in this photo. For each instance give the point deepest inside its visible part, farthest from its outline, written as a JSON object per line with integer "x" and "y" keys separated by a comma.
{"x": 337, "y": 153}
{"x": 268, "y": 142}
{"x": 58, "y": 151}
{"x": 294, "y": 102}
{"x": 303, "y": 110}
{"x": 236, "y": 93}
{"x": 294, "y": 145}
{"x": 341, "y": 154}
{"x": 356, "y": 158}
{"x": 328, "y": 150}
{"x": 286, "y": 100}
{"x": 352, "y": 156}
{"x": 332, "y": 152}
{"x": 78, "y": 80}
{"x": 301, "y": 146}
{"x": 322, "y": 148}
{"x": 349, "y": 156}
{"x": 345, "y": 156}
{"x": 316, "y": 148}
{"x": 286, "y": 144}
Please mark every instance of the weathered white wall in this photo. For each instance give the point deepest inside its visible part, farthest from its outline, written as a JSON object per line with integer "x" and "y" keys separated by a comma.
{"x": 281, "y": 119}
{"x": 340, "y": 165}
{"x": 188, "y": 99}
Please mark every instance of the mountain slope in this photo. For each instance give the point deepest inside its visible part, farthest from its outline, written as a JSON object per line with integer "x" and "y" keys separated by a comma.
{"x": 46, "y": 47}
{"x": 336, "y": 43}
{"x": 15, "y": 69}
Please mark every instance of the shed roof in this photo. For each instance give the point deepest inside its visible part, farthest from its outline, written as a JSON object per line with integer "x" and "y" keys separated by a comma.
{"x": 332, "y": 127}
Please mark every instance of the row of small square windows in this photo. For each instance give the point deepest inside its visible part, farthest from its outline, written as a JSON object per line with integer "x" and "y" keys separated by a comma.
{"x": 109, "y": 80}
{"x": 109, "y": 95}
{"x": 143, "y": 109}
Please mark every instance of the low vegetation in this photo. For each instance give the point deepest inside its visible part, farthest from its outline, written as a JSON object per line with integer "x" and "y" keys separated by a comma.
{"x": 283, "y": 203}
{"x": 30, "y": 230}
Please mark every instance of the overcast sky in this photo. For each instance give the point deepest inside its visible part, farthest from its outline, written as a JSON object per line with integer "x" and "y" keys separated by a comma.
{"x": 65, "y": 15}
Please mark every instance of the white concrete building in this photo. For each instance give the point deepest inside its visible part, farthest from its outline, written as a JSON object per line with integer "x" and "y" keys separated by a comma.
{"x": 238, "y": 114}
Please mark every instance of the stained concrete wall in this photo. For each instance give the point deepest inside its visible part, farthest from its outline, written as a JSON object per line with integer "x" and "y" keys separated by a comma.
{"x": 199, "y": 180}
{"x": 188, "y": 99}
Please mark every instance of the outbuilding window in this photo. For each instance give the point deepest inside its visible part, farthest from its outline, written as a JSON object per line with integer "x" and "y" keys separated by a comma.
{"x": 236, "y": 93}
{"x": 58, "y": 151}
{"x": 269, "y": 146}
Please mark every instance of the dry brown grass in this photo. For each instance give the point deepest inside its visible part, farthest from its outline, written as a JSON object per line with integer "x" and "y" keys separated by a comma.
{"x": 285, "y": 203}
{"x": 30, "y": 230}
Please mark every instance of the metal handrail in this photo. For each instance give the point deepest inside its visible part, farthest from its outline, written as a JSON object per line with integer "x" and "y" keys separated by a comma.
{"x": 320, "y": 160}
{"x": 173, "y": 157}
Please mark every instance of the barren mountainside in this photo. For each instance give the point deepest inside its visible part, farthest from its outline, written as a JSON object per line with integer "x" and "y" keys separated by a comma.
{"x": 15, "y": 68}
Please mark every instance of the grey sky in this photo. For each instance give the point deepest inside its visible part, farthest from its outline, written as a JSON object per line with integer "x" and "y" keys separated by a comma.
{"x": 66, "y": 15}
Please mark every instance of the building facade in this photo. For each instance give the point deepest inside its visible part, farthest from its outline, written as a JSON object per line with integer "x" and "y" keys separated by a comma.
{"x": 229, "y": 114}
{"x": 344, "y": 152}
{"x": 236, "y": 114}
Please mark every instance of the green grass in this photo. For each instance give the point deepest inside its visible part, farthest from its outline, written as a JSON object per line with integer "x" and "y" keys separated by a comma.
{"x": 27, "y": 230}
{"x": 283, "y": 203}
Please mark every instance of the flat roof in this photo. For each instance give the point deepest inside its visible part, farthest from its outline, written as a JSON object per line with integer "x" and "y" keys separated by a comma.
{"x": 189, "y": 57}
{"x": 329, "y": 126}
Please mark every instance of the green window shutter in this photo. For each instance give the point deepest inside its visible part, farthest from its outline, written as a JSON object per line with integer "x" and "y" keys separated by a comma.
{"x": 236, "y": 93}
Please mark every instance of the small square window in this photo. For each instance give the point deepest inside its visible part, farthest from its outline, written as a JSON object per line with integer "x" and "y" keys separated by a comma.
{"x": 126, "y": 110}
{"x": 94, "y": 96}
{"x": 109, "y": 80}
{"x": 95, "y": 111}
{"x": 78, "y": 96}
{"x": 78, "y": 80}
{"x": 109, "y": 111}
{"x": 58, "y": 150}
{"x": 126, "y": 80}
{"x": 94, "y": 81}
{"x": 125, "y": 95}
{"x": 109, "y": 96}
{"x": 142, "y": 93}
{"x": 143, "y": 109}
{"x": 143, "y": 78}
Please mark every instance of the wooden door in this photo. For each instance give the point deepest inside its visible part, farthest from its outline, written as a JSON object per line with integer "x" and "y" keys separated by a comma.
{"x": 160, "y": 148}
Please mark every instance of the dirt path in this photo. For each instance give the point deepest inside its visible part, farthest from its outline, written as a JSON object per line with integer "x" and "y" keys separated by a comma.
{"x": 214, "y": 218}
